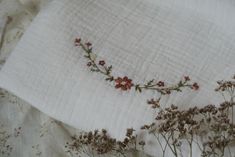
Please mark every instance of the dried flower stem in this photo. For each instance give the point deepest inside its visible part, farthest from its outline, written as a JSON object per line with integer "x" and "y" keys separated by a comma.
{"x": 229, "y": 88}
{"x": 163, "y": 148}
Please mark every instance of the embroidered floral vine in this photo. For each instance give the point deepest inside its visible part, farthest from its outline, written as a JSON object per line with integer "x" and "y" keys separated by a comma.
{"x": 125, "y": 83}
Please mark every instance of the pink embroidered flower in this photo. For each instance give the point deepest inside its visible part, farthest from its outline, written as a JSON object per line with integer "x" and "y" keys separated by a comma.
{"x": 195, "y": 86}
{"x": 187, "y": 78}
{"x": 124, "y": 83}
{"x": 77, "y": 41}
{"x": 88, "y": 44}
{"x": 102, "y": 62}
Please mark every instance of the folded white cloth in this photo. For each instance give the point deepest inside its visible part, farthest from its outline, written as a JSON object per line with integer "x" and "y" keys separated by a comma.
{"x": 141, "y": 39}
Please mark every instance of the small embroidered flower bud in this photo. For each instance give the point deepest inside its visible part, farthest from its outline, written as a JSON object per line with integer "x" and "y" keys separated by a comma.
{"x": 187, "y": 78}
{"x": 195, "y": 86}
{"x": 89, "y": 64}
{"x": 102, "y": 62}
{"x": 77, "y": 41}
{"x": 161, "y": 84}
{"x": 88, "y": 44}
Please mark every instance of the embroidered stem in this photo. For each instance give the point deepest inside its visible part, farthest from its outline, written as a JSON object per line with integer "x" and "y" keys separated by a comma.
{"x": 124, "y": 83}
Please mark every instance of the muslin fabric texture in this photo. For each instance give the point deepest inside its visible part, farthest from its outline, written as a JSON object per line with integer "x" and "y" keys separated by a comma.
{"x": 15, "y": 113}
{"x": 141, "y": 39}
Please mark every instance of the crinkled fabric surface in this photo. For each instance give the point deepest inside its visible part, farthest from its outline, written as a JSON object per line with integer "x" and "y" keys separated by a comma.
{"x": 141, "y": 39}
{"x": 25, "y": 131}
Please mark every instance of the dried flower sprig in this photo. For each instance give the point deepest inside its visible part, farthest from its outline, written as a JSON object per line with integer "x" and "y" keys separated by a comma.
{"x": 228, "y": 87}
{"x": 99, "y": 142}
{"x": 125, "y": 83}
{"x": 176, "y": 126}
{"x": 213, "y": 124}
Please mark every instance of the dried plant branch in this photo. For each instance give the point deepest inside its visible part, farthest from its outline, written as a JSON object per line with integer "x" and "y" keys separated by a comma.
{"x": 99, "y": 142}
{"x": 212, "y": 123}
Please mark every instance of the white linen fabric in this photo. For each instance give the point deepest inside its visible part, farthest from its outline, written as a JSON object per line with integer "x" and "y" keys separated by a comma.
{"x": 25, "y": 131}
{"x": 141, "y": 39}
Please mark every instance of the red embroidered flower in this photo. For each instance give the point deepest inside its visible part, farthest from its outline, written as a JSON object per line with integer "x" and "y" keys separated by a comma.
{"x": 124, "y": 83}
{"x": 195, "y": 86}
{"x": 102, "y": 62}
{"x": 77, "y": 41}
{"x": 161, "y": 84}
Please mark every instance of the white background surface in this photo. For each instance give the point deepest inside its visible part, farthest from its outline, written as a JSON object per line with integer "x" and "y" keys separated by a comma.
{"x": 140, "y": 39}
